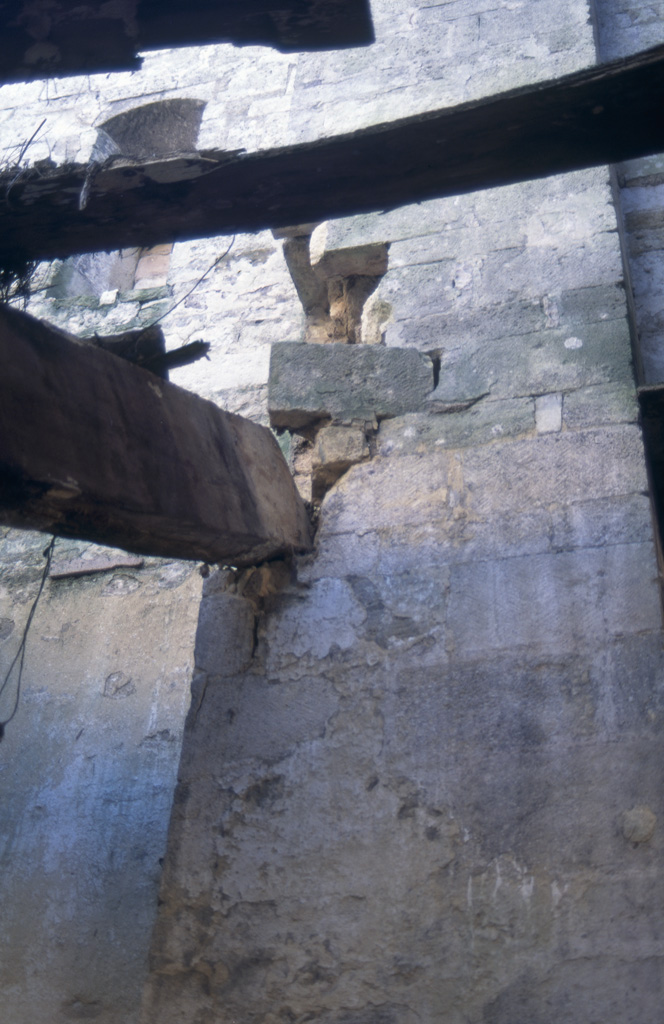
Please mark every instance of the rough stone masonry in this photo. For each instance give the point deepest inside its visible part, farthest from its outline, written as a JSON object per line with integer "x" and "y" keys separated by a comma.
{"x": 421, "y": 777}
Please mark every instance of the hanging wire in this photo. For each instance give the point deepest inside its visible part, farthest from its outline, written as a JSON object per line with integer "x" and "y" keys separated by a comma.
{"x": 20, "y": 654}
{"x": 193, "y": 287}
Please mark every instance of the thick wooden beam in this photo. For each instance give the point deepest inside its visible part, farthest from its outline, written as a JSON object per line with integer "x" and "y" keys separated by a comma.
{"x": 65, "y": 37}
{"x": 94, "y": 447}
{"x": 604, "y": 114}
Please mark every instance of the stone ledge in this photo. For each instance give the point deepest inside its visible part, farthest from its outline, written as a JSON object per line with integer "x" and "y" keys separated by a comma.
{"x": 340, "y": 382}
{"x": 330, "y": 257}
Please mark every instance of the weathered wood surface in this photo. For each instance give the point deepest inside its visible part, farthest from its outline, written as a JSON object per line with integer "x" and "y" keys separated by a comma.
{"x": 93, "y": 447}
{"x": 604, "y": 114}
{"x": 63, "y": 37}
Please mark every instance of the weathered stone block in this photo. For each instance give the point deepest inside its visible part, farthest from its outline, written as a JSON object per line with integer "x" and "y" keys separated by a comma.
{"x": 336, "y": 449}
{"x": 483, "y": 422}
{"x": 225, "y": 635}
{"x": 331, "y": 256}
{"x": 555, "y": 470}
{"x": 603, "y": 403}
{"x": 340, "y": 446}
{"x": 548, "y": 413}
{"x": 546, "y": 361}
{"x": 312, "y": 292}
{"x": 153, "y": 267}
{"x": 344, "y": 383}
{"x": 553, "y": 603}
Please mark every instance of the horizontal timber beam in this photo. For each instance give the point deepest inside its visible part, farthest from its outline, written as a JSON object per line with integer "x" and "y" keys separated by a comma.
{"x": 96, "y": 448}
{"x": 83, "y": 36}
{"x": 602, "y": 115}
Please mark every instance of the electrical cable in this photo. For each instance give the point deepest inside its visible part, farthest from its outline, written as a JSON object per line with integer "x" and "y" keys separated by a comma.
{"x": 20, "y": 654}
{"x": 193, "y": 287}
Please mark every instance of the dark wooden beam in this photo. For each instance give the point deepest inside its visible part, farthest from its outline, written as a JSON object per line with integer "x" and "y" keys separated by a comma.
{"x": 605, "y": 114}
{"x": 94, "y": 447}
{"x": 83, "y": 36}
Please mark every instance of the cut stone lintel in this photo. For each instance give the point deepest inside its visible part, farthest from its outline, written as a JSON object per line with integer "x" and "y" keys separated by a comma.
{"x": 96, "y": 448}
{"x": 604, "y": 114}
{"x": 344, "y": 383}
{"x": 80, "y": 36}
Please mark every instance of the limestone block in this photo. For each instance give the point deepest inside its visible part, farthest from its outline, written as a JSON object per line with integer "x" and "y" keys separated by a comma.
{"x": 483, "y": 422}
{"x": 553, "y": 602}
{"x": 549, "y": 413}
{"x": 340, "y": 446}
{"x": 336, "y": 449}
{"x": 225, "y": 635}
{"x": 312, "y": 624}
{"x": 555, "y": 469}
{"x": 450, "y": 268}
{"x": 404, "y": 608}
{"x": 332, "y": 257}
{"x": 153, "y": 267}
{"x": 467, "y": 538}
{"x": 546, "y": 361}
{"x": 344, "y": 383}
{"x": 294, "y": 231}
{"x": 451, "y": 327}
{"x": 374, "y": 229}
{"x": 600, "y": 404}
{"x": 602, "y": 521}
{"x": 426, "y": 493}
{"x": 590, "y": 304}
{"x": 312, "y": 292}
{"x": 638, "y": 824}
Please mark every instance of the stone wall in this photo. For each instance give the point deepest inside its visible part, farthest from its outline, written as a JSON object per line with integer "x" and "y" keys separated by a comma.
{"x": 624, "y": 28}
{"x": 421, "y": 774}
{"x": 422, "y": 798}
{"x": 87, "y": 770}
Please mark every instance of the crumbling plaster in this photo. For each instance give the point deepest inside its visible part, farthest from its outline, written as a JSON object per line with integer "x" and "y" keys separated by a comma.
{"x": 421, "y": 775}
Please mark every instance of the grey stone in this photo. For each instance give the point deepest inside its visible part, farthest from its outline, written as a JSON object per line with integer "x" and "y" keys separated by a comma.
{"x": 638, "y": 824}
{"x": 330, "y": 257}
{"x": 603, "y": 403}
{"x": 555, "y": 469}
{"x": 592, "y": 304}
{"x": 584, "y": 524}
{"x": 376, "y": 823}
{"x": 294, "y": 231}
{"x": 535, "y": 601}
{"x": 336, "y": 449}
{"x": 548, "y": 413}
{"x": 553, "y": 360}
{"x": 310, "y": 625}
{"x": 225, "y": 635}
{"x": 455, "y": 327}
{"x": 437, "y": 489}
{"x": 145, "y": 294}
{"x": 312, "y": 292}
{"x": 105, "y": 691}
{"x": 344, "y": 382}
{"x": 644, "y": 171}
{"x": 484, "y": 421}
